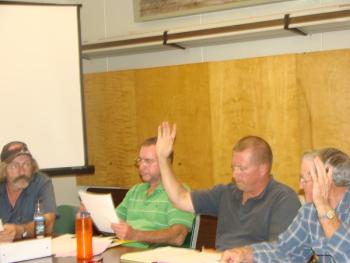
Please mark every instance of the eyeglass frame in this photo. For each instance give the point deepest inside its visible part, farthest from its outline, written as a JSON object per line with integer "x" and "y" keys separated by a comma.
{"x": 146, "y": 161}
{"x": 28, "y": 164}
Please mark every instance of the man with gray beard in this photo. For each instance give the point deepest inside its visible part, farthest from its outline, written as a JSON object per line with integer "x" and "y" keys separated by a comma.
{"x": 21, "y": 186}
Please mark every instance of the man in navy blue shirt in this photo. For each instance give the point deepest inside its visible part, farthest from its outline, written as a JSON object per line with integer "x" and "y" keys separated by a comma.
{"x": 21, "y": 186}
{"x": 252, "y": 208}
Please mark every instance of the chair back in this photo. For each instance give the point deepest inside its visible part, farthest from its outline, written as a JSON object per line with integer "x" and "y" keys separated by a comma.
{"x": 191, "y": 238}
{"x": 206, "y": 232}
{"x": 65, "y": 219}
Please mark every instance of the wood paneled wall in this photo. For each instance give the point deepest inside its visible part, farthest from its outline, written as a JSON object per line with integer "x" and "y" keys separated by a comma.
{"x": 296, "y": 102}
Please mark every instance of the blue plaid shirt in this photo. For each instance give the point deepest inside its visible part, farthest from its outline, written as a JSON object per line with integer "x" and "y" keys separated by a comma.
{"x": 305, "y": 237}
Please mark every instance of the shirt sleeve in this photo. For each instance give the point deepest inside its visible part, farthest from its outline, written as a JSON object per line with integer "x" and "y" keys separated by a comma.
{"x": 207, "y": 202}
{"x": 338, "y": 246}
{"x": 285, "y": 208}
{"x": 122, "y": 208}
{"x": 176, "y": 216}
{"x": 47, "y": 195}
{"x": 291, "y": 245}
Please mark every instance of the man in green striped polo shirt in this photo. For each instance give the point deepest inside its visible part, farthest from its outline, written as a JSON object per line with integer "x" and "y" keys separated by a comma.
{"x": 147, "y": 215}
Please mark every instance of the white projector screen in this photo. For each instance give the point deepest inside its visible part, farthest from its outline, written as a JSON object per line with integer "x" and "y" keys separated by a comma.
{"x": 41, "y": 84}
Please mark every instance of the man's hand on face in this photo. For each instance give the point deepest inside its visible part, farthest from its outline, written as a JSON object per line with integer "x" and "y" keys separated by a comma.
{"x": 322, "y": 183}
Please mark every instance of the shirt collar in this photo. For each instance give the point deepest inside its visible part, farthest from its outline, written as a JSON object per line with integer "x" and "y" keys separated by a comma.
{"x": 264, "y": 192}
{"x": 239, "y": 193}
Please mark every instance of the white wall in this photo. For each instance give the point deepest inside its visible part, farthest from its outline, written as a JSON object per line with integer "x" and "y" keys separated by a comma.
{"x": 103, "y": 19}
{"x": 115, "y": 19}
{"x": 66, "y": 190}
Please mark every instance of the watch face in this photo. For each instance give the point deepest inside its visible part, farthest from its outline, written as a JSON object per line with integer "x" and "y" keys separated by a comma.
{"x": 24, "y": 234}
{"x": 330, "y": 214}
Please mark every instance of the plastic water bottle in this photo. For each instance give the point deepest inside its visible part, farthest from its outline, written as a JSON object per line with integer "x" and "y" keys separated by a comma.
{"x": 39, "y": 221}
{"x": 83, "y": 233}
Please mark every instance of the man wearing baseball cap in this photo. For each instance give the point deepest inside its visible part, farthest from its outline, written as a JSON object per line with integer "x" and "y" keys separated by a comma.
{"x": 21, "y": 186}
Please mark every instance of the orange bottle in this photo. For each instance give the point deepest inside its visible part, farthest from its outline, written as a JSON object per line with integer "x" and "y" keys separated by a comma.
{"x": 83, "y": 233}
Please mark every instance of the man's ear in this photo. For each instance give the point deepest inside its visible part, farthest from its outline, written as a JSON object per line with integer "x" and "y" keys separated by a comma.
{"x": 264, "y": 169}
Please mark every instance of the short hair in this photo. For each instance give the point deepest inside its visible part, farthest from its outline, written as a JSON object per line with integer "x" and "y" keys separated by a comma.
{"x": 341, "y": 168}
{"x": 152, "y": 141}
{"x": 262, "y": 150}
{"x": 336, "y": 158}
{"x": 326, "y": 153}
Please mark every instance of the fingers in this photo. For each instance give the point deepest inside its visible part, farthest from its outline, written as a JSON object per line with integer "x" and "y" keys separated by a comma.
{"x": 329, "y": 171}
{"x": 173, "y": 132}
{"x": 323, "y": 175}
{"x": 313, "y": 173}
{"x": 159, "y": 131}
{"x": 164, "y": 130}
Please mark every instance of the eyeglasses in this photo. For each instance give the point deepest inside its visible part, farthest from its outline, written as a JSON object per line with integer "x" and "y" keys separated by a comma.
{"x": 17, "y": 166}
{"x": 302, "y": 180}
{"x": 146, "y": 161}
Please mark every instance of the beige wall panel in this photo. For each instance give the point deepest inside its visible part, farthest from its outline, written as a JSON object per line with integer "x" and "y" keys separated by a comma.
{"x": 295, "y": 102}
{"x": 111, "y": 128}
{"x": 178, "y": 94}
{"x": 255, "y": 97}
{"x": 324, "y": 79}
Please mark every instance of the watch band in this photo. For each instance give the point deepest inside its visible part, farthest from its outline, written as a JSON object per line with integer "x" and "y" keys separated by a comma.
{"x": 329, "y": 215}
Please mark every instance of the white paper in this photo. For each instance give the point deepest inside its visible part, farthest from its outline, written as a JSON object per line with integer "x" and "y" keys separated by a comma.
{"x": 66, "y": 245}
{"x": 171, "y": 255}
{"x": 25, "y": 250}
{"x": 101, "y": 208}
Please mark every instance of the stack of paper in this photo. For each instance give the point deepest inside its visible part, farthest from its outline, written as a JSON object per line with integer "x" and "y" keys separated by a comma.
{"x": 66, "y": 245}
{"x": 171, "y": 255}
{"x": 25, "y": 250}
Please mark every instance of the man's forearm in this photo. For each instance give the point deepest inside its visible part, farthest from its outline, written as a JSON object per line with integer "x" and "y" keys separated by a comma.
{"x": 27, "y": 230}
{"x": 175, "y": 235}
{"x": 330, "y": 226}
{"x": 49, "y": 223}
{"x": 24, "y": 230}
{"x": 177, "y": 193}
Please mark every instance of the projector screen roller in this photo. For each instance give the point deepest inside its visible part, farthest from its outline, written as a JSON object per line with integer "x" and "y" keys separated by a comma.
{"x": 41, "y": 83}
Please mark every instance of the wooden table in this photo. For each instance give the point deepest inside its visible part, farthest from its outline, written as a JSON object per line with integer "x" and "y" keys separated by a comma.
{"x": 111, "y": 255}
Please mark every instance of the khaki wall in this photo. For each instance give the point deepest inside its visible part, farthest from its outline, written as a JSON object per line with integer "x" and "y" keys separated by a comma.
{"x": 296, "y": 102}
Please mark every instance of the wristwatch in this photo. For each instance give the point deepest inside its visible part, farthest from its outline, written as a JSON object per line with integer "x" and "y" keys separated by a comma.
{"x": 24, "y": 233}
{"x": 330, "y": 214}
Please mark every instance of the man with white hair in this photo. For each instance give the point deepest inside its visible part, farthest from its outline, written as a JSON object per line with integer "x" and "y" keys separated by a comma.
{"x": 21, "y": 187}
{"x": 322, "y": 226}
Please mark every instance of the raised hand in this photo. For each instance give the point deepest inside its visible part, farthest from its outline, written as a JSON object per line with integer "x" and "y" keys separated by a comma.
{"x": 165, "y": 140}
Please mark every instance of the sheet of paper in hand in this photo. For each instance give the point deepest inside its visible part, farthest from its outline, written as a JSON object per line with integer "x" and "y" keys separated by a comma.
{"x": 101, "y": 208}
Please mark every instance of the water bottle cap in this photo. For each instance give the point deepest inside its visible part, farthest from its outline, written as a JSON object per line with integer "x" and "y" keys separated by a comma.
{"x": 84, "y": 214}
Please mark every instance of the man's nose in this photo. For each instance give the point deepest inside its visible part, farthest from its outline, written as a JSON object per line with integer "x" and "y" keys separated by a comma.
{"x": 21, "y": 168}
